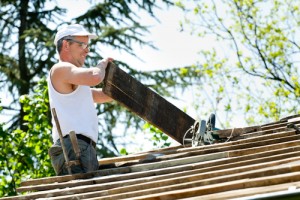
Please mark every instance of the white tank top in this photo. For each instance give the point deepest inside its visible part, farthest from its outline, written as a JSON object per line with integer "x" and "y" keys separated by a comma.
{"x": 75, "y": 111}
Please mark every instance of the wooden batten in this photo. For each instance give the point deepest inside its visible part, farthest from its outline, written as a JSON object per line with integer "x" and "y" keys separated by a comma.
{"x": 86, "y": 192}
{"x": 203, "y": 150}
{"x": 146, "y": 103}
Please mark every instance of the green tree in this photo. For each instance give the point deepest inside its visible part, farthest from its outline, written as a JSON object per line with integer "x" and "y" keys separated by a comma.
{"x": 24, "y": 154}
{"x": 27, "y": 50}
{"x": 253, "y": 66}
{"x": 160, "y": 139}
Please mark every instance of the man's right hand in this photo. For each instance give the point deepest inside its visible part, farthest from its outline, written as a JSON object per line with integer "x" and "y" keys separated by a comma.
{"x": 102, "y": 66}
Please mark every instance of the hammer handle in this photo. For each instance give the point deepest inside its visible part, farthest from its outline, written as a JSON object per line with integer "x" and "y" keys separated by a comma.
{"x": 61, "y": 140}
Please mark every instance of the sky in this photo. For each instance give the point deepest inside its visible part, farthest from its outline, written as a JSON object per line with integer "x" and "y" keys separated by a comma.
{"x": 175, "y": 49}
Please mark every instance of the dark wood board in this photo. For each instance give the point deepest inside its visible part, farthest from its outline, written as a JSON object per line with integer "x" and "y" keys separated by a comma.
{"x": 146, "y": 103}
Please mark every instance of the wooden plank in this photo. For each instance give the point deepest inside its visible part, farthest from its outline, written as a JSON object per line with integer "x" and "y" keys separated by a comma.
{"x": 180, "y": 168}
{"x": 239, "y": 133}
{"x": 135, "y": 168}
{"x": 98, "y": 189}
{"x": 246, "y": 132}
{"x": 140, "y": 156}
{"x": 262, "y": 154}
{"x": 281, "y": 124}
{"x": 204, "y": 166}
{"x": 221, "y": 147}
{"x": 222, "y": 187}
{"x": 265, "y": 148}
{"x": 265, "y": 132}
{"x": 235, "y": 167}
{"x": 247, "y": 147}
{"x": 294, "y": 120}
{"x": 146, "y": 103}
{"x": 248, "y": 192}
{"x": 194, "y": 151}
{"x": 255, "y": 139}
{"x": 207, "y": 152}
{"x": 234, "y": 132}
{"x": 265, "y": 176}
{"x": 284, "y": 119}
{"x": 235, "y": 145}
{"x": 193, "y": 159}
{"x": 146, "y": 157}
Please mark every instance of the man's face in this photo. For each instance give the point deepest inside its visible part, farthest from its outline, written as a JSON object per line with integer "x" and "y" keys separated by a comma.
{"x": 79, "y": 50}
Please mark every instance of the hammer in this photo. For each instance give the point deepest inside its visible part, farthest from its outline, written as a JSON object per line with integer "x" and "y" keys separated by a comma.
{"x": 74, "y": 145}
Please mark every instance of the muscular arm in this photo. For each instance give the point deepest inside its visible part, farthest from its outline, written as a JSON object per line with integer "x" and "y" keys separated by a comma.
{"x": 99, "y": 96}
{"x": 65, "y": 76}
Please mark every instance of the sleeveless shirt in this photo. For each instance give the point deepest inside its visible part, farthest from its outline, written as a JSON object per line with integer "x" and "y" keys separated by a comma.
{"x": 75, "y": 111}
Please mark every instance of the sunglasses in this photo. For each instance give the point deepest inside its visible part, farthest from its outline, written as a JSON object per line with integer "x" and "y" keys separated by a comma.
{"x": 82, "y": 44}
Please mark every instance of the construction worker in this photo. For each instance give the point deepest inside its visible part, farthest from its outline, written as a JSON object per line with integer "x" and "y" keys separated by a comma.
{"x": 71, "y": 94}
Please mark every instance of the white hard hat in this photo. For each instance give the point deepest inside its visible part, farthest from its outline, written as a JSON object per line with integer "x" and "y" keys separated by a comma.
{"x": 73, "y": 30}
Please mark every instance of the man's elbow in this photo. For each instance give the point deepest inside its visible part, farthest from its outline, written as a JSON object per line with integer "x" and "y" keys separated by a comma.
{"x": 96, "y": 79}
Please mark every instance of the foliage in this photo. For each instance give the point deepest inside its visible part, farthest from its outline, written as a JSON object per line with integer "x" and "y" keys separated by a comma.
{"x": 159, "y": 139}
{"x": 24, "y": 154}
{"x": 252, "y": 65}
{"x": 123, "y": 151}
{"x": 27, "y": 49}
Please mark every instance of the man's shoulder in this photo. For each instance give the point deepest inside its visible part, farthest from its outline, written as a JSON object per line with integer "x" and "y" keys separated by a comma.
{"x": 61, "y": 69}
{"x": 63, "y": 64}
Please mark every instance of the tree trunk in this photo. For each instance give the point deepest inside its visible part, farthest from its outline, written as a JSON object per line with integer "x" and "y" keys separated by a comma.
{"x": 24, "y": 74}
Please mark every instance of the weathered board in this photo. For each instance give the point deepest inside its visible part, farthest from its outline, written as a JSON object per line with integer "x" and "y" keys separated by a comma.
{"x": 146, "y": 103}
{"x": 267, "y": 160}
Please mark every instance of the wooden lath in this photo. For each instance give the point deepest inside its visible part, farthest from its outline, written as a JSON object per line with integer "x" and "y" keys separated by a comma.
{"x": 184, "y": 180}
{"x": 216, "y": 188}
{"x": 248, "y": 191}
{"x": 146, "y": 103}
{"x": 185, "y": 170}
{"x": 181, "y": 152}
{"x": 266, "y": 159}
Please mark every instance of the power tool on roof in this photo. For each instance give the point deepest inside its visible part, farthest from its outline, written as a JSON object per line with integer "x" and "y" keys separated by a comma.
{"x": 202, "y": 132}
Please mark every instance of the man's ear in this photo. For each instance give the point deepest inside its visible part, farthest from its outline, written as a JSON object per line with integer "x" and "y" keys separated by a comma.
{"x": 66, "y": 45}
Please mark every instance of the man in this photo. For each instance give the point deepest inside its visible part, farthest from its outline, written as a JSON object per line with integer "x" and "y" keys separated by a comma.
{"x": 73, "y": 99}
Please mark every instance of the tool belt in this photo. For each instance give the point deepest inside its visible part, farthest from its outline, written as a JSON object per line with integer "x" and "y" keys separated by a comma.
{"x": 84, "y": 138}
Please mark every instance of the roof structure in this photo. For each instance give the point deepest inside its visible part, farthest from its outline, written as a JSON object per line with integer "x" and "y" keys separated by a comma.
{"x": 262, "y": 164}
